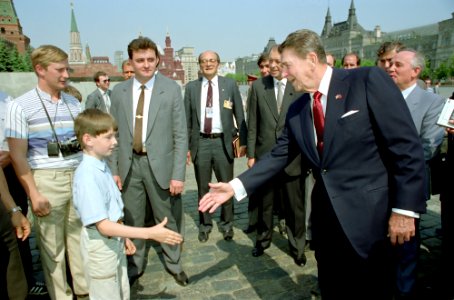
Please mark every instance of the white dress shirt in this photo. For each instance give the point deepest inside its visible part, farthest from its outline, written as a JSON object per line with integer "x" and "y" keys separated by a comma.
{"x": 136, "y": 90}
{"x": 216, "y": 125}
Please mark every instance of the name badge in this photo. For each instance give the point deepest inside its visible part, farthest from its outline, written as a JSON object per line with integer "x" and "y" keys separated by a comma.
{"x": 209, "y": 112}
{"x": 228, "y": 104}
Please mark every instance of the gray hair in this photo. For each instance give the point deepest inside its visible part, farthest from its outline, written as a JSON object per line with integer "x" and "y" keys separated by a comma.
{"x": 418, "y": 60}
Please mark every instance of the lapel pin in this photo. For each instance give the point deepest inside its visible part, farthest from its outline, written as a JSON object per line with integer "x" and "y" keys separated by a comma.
{"x": 338, "y": 97}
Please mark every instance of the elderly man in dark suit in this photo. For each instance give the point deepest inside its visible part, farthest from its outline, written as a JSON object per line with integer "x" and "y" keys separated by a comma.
{"x": 149, "y": 162}
{"x": 100, "y": 98}
{"x": 268, "y": 103}
{"x": 356, "y": 133}
{"x": 213, "y": 103}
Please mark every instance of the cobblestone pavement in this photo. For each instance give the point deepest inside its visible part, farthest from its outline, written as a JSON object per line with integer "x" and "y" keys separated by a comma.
{"x": 219, "y": 269}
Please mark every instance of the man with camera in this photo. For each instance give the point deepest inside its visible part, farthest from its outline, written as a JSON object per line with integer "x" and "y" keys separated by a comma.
{"x": 40, "y": 132}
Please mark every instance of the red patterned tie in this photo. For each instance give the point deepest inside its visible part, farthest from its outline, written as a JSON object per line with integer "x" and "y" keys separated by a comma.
{"x": 208, "y": 121}
{"x": 319, "y": 120}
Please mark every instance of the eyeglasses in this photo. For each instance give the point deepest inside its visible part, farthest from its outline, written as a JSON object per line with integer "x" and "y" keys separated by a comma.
{"x": 205, "y": 61}
{"x": 106, "y": 80}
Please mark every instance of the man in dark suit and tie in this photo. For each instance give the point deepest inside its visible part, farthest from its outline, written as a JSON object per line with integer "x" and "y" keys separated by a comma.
{"x": 100, "y": 98}
{"x": 213, "y": 103}
{"x": 268, "y": 103}
{"x": 355, "y": 131}
{"x": 149, "y": 161}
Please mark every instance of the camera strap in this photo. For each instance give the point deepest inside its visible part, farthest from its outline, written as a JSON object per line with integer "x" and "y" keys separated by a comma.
{"x": 48, "y": 118}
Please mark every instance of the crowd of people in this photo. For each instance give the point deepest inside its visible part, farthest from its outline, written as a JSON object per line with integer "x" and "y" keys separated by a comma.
{"x": 342, "y": 156}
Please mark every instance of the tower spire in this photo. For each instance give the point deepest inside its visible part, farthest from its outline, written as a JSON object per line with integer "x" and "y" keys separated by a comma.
{"x": 352, "y": 20}
{"x": 75, "y": 46}
{"x": 328, "y": 24}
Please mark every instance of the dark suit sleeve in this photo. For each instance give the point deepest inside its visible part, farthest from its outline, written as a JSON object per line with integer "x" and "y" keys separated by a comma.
{"x": 187, "y": 108}
{"x": 398, "y": 140}
{"x": 252, "y": 122}
{"x": 272, "y": 163}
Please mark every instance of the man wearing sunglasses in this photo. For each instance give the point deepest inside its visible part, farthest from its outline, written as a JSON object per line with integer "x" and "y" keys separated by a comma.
{"x": 100, "y": 98}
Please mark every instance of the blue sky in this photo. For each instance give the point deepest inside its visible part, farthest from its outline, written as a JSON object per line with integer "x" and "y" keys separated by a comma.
{"x": 233, "y": 28}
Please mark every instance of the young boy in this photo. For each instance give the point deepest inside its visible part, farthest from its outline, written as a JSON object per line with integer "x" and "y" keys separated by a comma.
{"x": 104, "y": 239}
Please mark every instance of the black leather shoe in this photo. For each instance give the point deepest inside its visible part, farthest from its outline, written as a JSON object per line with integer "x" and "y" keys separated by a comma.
{"x": 300, "y": 261}
{"x": 257, "y": 251}
{"x": 203, "y": 236}
{"x": 134, "y": 278}
{"x": 181, "y": 278}
{"x": 249, "y": 229}
{"x": 228, "y": 235}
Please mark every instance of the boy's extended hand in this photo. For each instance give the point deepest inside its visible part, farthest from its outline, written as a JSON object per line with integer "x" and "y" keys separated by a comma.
{"x": 130, "y": 248}
{"x": 163, "y": 235}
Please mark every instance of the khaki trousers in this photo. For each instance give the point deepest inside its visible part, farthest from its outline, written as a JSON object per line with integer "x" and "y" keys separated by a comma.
{"x": 105, "y": 265}
{"x": 59, "y": 234}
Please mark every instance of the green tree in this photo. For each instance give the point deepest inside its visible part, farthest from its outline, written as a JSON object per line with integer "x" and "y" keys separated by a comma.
{"x": 367, "y": 63}
{"x": 5, "y": 63}
{"x": 442, "y": 72}
{"x": 12, "y": 61}
{"x": 241, "y": 78}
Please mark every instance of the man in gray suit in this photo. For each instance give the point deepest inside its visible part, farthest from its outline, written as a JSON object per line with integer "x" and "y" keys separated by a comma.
{"x": 100, "y": 98}
{"x": 425, "y": 108}
{"x": 151, "y": 153}
{"x": 268, "y": 103}
{"x": 212, "y": 103}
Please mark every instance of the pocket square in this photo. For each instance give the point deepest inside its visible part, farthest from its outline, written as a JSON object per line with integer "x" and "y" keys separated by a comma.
{"x": 349, "y": 113}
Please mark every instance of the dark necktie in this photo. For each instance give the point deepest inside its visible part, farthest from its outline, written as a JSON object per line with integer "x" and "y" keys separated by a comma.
{"x": 209, "y": 106}
{"x": 319, "y": 120}
{"x": 137, "y": 141}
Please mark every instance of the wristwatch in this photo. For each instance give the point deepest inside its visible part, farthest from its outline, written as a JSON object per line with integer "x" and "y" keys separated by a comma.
{"x": 14, "y": 210}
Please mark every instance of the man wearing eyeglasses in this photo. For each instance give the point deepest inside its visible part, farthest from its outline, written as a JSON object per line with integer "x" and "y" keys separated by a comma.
{"x": 212, "y": 105}
{"x": 100, "y": 98}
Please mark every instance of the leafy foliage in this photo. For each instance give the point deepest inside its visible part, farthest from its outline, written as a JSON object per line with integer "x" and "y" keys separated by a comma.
{"x": 12, "y": 61}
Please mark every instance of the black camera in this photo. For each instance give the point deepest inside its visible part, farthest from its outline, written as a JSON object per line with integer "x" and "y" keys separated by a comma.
{"x": 67, "y": 148}
{"x": 52, "y": 149}
{"x": 70, "y": 147}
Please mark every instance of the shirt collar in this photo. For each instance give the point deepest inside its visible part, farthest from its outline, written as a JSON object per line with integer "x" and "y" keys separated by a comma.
{"x": 408, "y": 90}
{"x": 102, "y": 92}
{"x": 283, "y": 80}
{"x": 45, "y": 96}
{"x": 99, "y": 164}
{"x": 149, "y": 84}
{"x": 326, "y": 80}
{"x": 214, "y": 81}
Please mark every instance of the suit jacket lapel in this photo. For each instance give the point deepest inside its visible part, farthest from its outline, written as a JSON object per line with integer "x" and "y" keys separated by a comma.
{"x": 102, "y": 101}
{"x": 198, "y": 95}
{"x": 305, "y": 135}
{"x": 335, "y": 107}
{"x": 270, "y": 96}
{"x": 223, "y": 95}
{"x": 128, "y": 104}
{"x": 288, "y": 97}
{"x": 155, "y": 101}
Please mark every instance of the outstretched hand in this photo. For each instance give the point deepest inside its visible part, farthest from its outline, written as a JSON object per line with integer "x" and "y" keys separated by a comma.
{"x": 219, "y": 194}
{"x": 163, "y": 235}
